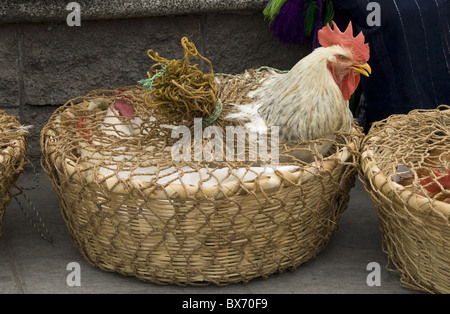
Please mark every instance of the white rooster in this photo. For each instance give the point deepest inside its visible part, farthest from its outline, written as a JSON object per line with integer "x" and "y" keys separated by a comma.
{"x": 311, "y": 100}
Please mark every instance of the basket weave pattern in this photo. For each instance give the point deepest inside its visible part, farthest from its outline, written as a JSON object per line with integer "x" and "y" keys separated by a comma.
{"x": 414, "y": 224}
{"x": 170, "y": 232}
{"x": 12, "y": 158}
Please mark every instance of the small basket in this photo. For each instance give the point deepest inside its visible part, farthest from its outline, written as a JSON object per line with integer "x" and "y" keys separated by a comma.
{"x": 397, "y": 157}
{"x": 12, "y": 157}
{"x": 166, "y": 231}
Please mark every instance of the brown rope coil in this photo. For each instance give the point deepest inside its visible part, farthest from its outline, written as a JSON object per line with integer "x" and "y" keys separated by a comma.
{"x": 180, "y": 90}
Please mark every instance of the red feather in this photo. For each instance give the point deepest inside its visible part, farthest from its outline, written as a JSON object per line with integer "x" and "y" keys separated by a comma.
{"x": 82, "y": 126}
{"x": 444, "y": 181}
{"x": 124, "y": 108}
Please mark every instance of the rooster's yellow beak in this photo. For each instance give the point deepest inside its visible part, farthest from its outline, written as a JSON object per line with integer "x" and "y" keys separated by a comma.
{"x": 364, "y": 69}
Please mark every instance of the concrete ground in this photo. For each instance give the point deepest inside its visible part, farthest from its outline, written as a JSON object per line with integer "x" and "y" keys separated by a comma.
{"x": 29, "y": 264}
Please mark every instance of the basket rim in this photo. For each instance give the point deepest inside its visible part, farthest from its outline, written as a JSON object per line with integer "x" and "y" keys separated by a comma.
{"x": 264, "y": 183}
{"x": 390, "y": 188}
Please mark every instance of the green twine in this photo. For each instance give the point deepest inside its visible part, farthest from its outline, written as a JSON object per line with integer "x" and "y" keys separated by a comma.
{"x": 45, "y": 233}
{"x": 214, "y": 115}
{"x": 42, "y": 229}
{"x": 35, "y": 176}
{"x": 148, "y": 83}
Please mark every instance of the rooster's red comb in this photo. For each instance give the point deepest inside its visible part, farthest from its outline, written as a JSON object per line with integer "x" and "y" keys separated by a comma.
{"x": 330, "y": 37}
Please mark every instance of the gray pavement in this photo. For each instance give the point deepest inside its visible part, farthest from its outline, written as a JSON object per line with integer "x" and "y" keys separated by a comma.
{"x": 29, "y": 264}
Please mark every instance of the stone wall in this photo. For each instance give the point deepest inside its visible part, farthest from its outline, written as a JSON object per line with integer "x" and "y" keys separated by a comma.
{"x": 44, "y": 62}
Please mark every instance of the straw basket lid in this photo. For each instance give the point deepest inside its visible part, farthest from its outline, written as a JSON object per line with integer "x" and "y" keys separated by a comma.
{"x": 404, "y": 166}
{"x": 12, "y": 156}
{"x": 143, "y": 159}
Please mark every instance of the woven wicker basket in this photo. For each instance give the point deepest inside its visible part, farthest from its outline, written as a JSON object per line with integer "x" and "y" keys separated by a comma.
{"x": 12, "y": 157}
{"x": 414, "y": 223}
{"x": 176, "y": 233}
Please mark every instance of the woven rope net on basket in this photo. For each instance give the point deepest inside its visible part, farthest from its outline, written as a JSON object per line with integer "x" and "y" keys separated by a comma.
{"x": 132, "y": 209}
{"x": 399, "y": 155}
{"x": 12, "y": 157}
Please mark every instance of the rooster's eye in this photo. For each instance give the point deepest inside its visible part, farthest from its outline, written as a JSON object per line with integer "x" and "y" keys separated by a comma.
{"x": 342, "y": 58}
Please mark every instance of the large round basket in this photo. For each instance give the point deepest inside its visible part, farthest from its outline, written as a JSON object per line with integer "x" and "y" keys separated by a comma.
{"x": 12, "y": 157}
{"x": 399, "y": 155}
{"x": 131, "y": 209}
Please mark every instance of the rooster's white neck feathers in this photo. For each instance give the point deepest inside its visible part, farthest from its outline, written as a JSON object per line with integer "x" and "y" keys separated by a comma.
{"x": 306, "y": 103}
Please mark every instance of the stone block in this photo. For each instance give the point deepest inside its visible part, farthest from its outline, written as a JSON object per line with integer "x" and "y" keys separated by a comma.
{"x": 51, "y": 10}
{"x": 14, "y": 111}
{"x": 62, "y": 62}
{"x": 9, "y": 65}
{"x": 238, "y": 41}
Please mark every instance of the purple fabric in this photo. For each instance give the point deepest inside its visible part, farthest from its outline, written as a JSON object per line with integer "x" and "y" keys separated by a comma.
{"x": 288, "y": 25}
